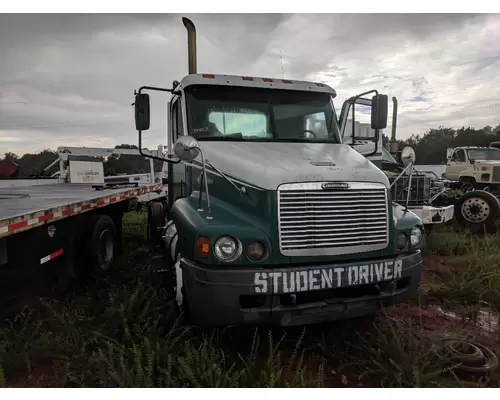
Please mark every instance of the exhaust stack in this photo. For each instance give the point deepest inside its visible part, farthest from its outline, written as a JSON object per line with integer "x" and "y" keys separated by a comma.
{"x": 191, "y": 31}
{"x": 393, "y": 144}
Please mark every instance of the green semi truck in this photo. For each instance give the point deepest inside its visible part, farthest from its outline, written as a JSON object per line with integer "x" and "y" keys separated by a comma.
{"x": 270, "y": 217}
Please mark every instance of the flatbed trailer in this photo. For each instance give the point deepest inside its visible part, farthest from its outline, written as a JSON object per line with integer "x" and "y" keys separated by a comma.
{"x": 67, "y": 230}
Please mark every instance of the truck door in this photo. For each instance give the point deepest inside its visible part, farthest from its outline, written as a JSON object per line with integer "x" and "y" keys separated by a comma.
{"x": 456, "y": 164}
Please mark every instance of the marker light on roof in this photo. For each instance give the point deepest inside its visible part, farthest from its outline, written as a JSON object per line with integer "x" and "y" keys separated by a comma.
{"x": 320, "y": 84}
{"x": 267, "y": 80}
{"x": 247, "y": 78}
{"x": 208, "y": 76}
{"x": 286, "y": 81}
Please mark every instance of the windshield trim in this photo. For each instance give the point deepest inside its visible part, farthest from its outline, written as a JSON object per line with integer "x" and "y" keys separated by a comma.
{"x": 333, "y": 131}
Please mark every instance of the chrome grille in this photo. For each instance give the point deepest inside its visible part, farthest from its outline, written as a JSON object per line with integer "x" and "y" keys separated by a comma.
{"x": 420, "y": 190}
{"x": 314, "y": 221}
{"x": 496, "y": 174}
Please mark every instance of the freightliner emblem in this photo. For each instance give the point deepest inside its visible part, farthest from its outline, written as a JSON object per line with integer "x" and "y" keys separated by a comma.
{"x": 334, "y": 185}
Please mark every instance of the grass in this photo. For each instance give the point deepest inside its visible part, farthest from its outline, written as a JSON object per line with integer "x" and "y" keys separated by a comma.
{"x": 123, "y": 332}
{"x": 473, "y": 268}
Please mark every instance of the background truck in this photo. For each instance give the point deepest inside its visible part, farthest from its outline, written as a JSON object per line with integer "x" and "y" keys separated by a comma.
{"x": 410, "y": 188}
{"x": 57, "y": 230}
{"x": 270, "y": 217}
{"x": 474, "y": 167}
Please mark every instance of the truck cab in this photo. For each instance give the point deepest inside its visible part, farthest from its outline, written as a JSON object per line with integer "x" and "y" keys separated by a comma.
{"x": 475, "y": 167}
{"x": 271, "y": 217}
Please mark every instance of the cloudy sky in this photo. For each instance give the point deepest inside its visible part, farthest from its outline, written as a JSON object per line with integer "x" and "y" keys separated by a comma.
{"x": 69, "y": 79}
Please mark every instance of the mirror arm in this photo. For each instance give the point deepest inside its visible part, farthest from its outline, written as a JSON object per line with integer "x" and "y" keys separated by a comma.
{"x": 353, "y": 100}
{"x": 157, "y": 89}
{"x": 409, "y": 168}
{"x": 204, "y": 180}
{"x": 141, "y": 152}
{"x": 241, "y": 190}
{"x": 357, "y": 97}
{"x": 377, "y": 133}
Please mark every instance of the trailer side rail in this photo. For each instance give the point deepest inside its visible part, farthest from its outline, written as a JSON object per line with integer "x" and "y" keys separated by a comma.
{"x": 37, "y": 218}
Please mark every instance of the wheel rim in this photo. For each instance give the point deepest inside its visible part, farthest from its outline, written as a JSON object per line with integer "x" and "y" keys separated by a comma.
{"x": 475, "y": 210}
{"x": 106, "y": 249}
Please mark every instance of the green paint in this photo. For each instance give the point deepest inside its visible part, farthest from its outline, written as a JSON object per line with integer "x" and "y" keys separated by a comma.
{"x": 252, "y": 217}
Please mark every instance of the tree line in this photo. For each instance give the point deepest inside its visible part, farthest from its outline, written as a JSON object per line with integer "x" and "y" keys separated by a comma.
{"x": 430, "y": 149}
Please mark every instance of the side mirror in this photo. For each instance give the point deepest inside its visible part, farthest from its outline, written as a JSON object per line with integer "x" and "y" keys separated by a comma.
{"x": 142, "y": 113}
{"x": 408, "y": 156}
{"x": 186, "y": 148}
{"x": 379, "y": 111}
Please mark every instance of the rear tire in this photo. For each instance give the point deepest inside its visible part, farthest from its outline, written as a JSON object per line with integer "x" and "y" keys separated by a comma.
{"x": 478, "y": 211}
{"x": 99, "y": 249}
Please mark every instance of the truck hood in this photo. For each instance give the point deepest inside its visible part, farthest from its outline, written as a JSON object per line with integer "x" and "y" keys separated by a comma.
{"x": 487, "y": 163}
{"x": 267, "y": 165}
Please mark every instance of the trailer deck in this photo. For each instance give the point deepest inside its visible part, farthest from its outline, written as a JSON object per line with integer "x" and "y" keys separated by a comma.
{"x": 23, "y": 208}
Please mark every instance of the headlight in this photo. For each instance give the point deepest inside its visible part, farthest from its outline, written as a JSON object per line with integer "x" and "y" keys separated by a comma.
{"x": 401, "y": 240}
{"x": 256, "y": 251}
{"x": 227, "y": 248}
{"x": 415, "y": 235}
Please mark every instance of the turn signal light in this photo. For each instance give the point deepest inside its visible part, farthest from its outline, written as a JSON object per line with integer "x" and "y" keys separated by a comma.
{"x": 202, "y": 247}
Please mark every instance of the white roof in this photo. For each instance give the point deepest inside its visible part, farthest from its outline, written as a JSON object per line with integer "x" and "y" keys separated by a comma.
{"x": 474, "y": 147}
{"x": 259, "y": 82}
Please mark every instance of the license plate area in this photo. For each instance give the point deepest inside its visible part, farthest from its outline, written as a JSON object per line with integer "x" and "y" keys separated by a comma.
{"x": 345, "y": 293}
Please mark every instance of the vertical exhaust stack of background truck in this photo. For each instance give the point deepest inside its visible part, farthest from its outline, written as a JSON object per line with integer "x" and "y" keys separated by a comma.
{"x": 271, "y": 218}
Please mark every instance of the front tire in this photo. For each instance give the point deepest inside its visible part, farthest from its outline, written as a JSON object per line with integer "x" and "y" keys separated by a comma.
{"x": 156, "y": 219}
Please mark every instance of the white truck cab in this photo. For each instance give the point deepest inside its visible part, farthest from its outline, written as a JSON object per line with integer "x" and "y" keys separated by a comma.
{"x": 476, "y": 167}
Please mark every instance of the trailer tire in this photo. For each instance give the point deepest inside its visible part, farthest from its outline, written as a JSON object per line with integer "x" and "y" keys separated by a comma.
{"x": 156, "y": 219}
{"x": 100, "y": 248}
{"x": 478, "y": 211}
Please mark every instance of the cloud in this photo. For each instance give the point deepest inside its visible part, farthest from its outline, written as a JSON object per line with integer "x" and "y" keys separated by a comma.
{"x": 69, "y": 79}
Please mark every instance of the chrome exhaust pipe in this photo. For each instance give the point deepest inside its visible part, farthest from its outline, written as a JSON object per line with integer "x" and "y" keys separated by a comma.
{"x": 393, "y": 144}
{"x": 191, "y": 31}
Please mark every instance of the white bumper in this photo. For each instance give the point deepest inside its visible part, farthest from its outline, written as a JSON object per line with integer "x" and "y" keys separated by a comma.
{"x": 434, "y": 215}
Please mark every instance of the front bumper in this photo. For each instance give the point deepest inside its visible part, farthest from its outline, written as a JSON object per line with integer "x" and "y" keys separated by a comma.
{"x": 434, "y": 215}
{"x": 297, "y": 295}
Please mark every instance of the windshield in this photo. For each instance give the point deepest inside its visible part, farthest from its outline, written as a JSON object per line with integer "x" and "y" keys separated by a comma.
{"x": 484, "y": 154}
{"x": 253, "y": 114}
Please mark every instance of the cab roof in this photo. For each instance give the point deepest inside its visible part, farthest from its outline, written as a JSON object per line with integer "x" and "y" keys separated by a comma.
{"x": 256, "y": 82}
{"x": 473, "y": 147}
